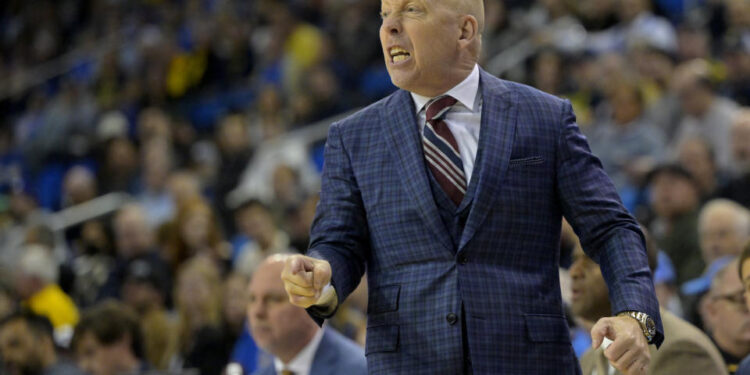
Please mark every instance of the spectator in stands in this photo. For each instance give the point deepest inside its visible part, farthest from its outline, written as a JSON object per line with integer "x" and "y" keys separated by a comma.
{"x": 107, "y": 341}
{"x": 723, "y": 228}
{"x": 244, "y": 352}
{"x": 254, "y": 220}
{"x": 287, "y": 191}
{"x": 156, "y": 161}
{"x": 285, "y": 330}
{"x": 36, "y": 285}
{"x": 675, "y": 202}
{"x": 697, "y": 157}
{"x": 234, "y": 143}
{"x": 738, "y": 189}
{"x": 145, "y": 291}
{"x": 685, "y": 348}
{"x": 27, "y": 347}
{"x": 134, "y": 238}
{"x": 79, "y": 186}
{"x": 627, "y": 144}
{"x": 705, "y": 114}
{"x": 195, "y": 232}
{"x": 743, "y": 266}
{"x": 201, "y": 335}
{"x": 299, "y": 221}
{"x": 726, "y": 316}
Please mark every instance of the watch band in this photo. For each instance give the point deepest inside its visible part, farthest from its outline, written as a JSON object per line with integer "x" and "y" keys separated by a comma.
{"x": 647, "y": 324}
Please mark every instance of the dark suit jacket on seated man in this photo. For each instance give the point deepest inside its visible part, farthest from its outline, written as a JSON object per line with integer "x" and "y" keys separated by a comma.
{"x": 299, "y": 347}
{"x": 453, "y": 204}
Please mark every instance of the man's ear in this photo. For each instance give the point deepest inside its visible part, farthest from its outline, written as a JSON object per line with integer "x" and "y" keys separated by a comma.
{"x": 469, "y": 29}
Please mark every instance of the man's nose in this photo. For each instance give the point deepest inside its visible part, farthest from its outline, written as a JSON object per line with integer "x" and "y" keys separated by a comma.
{"x": 392, "y": 25}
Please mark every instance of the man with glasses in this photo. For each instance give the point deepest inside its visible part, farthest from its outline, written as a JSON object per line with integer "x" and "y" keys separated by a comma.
{"x": 743, "y": 266}
{"x": 726, "y": 316}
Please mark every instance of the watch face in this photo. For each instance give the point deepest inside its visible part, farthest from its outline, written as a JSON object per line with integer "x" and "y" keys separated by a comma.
{"x": 650, "y": 326}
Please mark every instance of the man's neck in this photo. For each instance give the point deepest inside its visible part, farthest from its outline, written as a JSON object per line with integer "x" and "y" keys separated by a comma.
{"x": 291, "y": 351}
{"x": 128, "y": 364}
{"x": 738, "y": 349}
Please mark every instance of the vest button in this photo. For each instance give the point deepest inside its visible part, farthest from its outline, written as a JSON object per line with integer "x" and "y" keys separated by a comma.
{"x": 463, "y": 259}
{"x": 451, "y": 318}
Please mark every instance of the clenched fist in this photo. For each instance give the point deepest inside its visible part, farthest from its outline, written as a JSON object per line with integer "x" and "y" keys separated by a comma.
{"x": 304, "y": 280}
{"x": 629, "y": 352}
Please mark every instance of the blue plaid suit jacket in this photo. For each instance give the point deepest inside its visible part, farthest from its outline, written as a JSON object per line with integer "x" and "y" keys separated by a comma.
{"x": 533, "y": 166}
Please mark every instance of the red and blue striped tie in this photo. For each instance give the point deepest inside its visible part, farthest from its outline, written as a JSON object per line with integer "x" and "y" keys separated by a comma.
{"x": 441, "y": 150}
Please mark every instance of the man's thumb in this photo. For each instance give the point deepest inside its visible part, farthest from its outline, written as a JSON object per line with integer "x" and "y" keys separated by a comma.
{"x": 598, "y": 332}
{"x": 321, "y": 275}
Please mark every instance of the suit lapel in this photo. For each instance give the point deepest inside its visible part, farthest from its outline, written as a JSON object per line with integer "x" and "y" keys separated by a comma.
{"x": 498, "y": 127}
{"x": 401, "y": 122}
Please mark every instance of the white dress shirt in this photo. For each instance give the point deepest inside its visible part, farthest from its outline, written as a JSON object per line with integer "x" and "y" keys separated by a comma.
{"x": 463, "y": 119}
{"x": 302, "y": 363}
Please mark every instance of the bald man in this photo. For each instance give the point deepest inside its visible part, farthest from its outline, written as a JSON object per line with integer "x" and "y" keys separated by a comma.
{"x": 299, "y": 347}
{"x": 451, "y": 193}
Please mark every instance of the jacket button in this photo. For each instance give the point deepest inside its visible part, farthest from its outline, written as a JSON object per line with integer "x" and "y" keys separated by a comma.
{"x": 451, "y": 318}
{"x": 463, "y": 259}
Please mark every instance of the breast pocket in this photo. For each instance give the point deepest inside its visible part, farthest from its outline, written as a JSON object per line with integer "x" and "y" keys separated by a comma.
{"x": 527, "y": 161}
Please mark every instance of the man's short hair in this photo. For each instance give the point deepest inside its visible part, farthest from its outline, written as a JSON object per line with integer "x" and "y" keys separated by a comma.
{"x": 743, "y": 257}
{"x": 39, "y": 325}
{"x": 39, "y": 261}
{"x": 109, "y": 322}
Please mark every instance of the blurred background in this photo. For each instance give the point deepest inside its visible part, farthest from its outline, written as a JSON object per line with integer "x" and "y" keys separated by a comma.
{"x": 153, "y": 151}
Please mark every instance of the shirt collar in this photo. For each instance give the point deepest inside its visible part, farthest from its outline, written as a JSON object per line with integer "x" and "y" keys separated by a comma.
{"x": 465, "y": 92}
{"x": 302, "y": 363}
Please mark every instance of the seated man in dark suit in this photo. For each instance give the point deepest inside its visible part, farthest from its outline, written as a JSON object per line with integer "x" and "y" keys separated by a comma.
{"x": 299, "y": 347}
{"x": 685, "y": 350}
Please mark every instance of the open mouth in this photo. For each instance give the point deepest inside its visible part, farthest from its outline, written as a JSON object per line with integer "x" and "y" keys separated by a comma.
{"x": 398, "y": 54}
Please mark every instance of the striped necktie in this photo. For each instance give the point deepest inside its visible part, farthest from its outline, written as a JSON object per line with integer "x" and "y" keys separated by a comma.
{"x": 441, "y": 150}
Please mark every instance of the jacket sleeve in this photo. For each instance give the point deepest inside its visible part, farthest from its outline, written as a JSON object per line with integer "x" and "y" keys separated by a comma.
{"x": 609, "y": 234}
{"x": 339, "y": 232}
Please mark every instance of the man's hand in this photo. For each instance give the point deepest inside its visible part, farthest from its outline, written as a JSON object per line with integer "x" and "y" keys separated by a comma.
{"x": 304, "y": 279}
{"x": 629, "y": 351}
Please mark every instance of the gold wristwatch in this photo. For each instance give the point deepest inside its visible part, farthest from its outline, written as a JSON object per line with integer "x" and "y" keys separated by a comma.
{"x": 647, "y": 324}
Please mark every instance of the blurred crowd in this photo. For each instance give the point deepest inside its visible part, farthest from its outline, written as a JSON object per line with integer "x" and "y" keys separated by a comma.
{"x": 176, "y": 103}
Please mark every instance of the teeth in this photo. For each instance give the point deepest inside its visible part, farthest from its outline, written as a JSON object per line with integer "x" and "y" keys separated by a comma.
{"x": 397, "y": 50}
{"x": 400, "y": 58}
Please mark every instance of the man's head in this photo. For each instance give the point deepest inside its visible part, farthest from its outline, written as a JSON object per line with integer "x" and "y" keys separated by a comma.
{"x": 724, "y": 228}
{"x": 590, "y": 296}
{"x": 430, "y": 45}
{"x": 276, "y": 325}
{"x": 107, "y": 340}
{"x": 145, "y": 285}
{"x": 132, "y": 232}
{"x": 743, "y": 266}
{"x": 725, "y": 312}
{"x": 26, "y": 344}
{"x": 692, "y": 84}
{"x": 36, "y": 269}
{"x": 697, "y": 156}
{"x": 254, "y": 219}
{"x": 673, "y": 191}
{"x": 741, "y": 140}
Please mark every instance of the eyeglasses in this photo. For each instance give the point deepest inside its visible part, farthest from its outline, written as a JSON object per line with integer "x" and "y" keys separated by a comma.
{"x": 737, "y": 299}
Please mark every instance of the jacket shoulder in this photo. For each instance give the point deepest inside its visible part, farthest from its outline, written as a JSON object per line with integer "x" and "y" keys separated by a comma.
{"x": 370, "y": 115}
